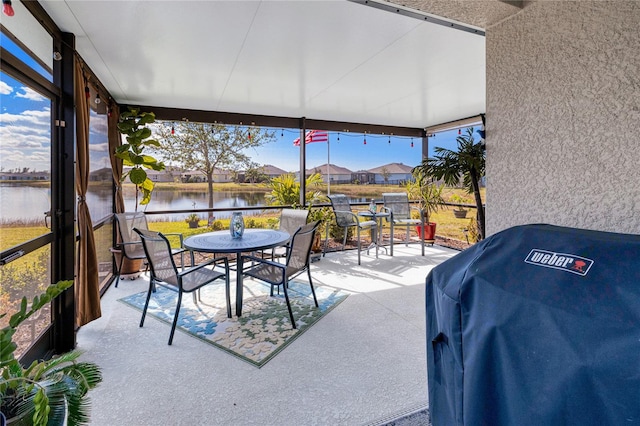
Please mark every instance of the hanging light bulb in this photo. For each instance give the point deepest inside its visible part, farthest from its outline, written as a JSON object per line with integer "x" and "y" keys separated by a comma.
{"x": 109, "y": 112}
{"x": 98, "y": 100}
{"x": 87, "y": 92}
{"x": 57, "y": 56}
{"x": 365, "y": 140}
{"x": 338, "y": 137}
{"x": 411, "y": 142}
{"x": 389, "y": 139}
{"x": 173, "y": 130}
{"x": 282, "y": 133}
{"x": 212, "y": 129}
{"x": 7, "y": 9}
{"x": 249, "y": 132}
{"x": 459, "y": 131}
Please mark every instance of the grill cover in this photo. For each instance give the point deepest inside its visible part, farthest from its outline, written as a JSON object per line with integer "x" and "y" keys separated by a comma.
{"x": 536, "y": 325}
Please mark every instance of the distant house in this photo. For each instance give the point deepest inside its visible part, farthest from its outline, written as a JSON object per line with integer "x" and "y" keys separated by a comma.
{"x": 363, "y": 177}
{"x": 101, "y": 175}
{"x": 335, "y": 174}
{"x": 273, "y": 171}
{"x": 219, "y": 176}
{"x": 169, "y": 174}
{"x": 10, "y": 176}
{"x": 392, "y": 173}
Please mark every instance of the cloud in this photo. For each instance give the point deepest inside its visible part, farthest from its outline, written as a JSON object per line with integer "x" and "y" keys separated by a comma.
{"x": 5, "y": 89}
{"x": 31, "y": 95}
{"x": 99, "y": 147}
{"x": 99, "y": 124}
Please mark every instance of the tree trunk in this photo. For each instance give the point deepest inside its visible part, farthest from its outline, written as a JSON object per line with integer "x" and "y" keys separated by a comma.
{"x": 210, "y": 193}
{"x": 476, "y": 193}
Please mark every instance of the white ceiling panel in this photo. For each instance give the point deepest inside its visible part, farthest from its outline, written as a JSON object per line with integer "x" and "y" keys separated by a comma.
{"x": 326, "y": 60}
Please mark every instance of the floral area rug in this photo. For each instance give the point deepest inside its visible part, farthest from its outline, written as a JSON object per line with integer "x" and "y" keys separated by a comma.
{"x": 263, "y": 330}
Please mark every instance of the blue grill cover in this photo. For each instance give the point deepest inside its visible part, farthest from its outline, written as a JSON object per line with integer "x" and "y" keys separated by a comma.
{"x": 536, "y": 325}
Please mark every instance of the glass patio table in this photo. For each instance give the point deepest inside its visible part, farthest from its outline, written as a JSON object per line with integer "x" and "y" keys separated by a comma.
{"x": 221, "y": 242}
{"x": 376, "y": 240}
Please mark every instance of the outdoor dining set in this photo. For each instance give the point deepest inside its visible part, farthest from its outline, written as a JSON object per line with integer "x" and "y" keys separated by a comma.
{"x": 273, "y": 256}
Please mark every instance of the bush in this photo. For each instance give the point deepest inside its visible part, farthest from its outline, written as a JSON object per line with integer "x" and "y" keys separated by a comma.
{"x": 217, "y": 225}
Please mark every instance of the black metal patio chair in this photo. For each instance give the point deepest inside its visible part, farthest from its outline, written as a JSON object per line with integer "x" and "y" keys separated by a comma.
{"x": 346, "y": 219}
{"x": 129, "y": 243}
{"x": 399, "y": 209}
{"x": 165, "y": 273}
{"x": 278, "y": 274}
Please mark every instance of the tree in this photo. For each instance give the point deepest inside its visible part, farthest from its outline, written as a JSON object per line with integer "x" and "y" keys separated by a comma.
{"x": 255, "y": 173}
{"x": 468, "y": 162}
{"x": 385, "y": 175}
{"x": 207, "y": 147}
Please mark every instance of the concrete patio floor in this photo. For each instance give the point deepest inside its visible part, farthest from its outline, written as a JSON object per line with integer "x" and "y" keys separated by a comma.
{"x": 362, "y": 364}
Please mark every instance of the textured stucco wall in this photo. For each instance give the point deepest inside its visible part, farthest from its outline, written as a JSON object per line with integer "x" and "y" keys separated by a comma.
{"x": 563, "y": 116}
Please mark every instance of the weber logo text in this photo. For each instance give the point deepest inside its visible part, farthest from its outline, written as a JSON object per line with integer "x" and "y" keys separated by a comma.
{"x": 563, "y": 261}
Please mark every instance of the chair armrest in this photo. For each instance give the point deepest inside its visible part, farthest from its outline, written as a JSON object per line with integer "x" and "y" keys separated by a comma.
{"x": 264, "y": 261}
{"x": 176, "y": 234}
{"x": 388, "y": 210}
{"x": 207, "y": 263}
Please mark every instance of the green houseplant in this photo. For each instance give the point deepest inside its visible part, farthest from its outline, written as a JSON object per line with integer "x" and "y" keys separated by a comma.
{"x": 46, "y": 391}
{"x": 133, "y": 124}
{"x": 429, "y": 197}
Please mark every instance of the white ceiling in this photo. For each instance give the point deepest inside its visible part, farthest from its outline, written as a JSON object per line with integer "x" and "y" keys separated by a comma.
{"x": 325, "y": 60}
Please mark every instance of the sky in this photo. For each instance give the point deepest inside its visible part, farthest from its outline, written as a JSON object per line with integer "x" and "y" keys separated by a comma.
{"x": 25, "y": 137}
{"x": 349, "y": 150}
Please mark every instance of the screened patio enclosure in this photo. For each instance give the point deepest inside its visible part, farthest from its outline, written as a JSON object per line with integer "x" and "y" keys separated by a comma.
{"x": 338, "y": 66}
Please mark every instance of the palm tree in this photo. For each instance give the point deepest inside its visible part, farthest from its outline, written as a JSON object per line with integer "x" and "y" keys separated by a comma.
{"x": 468, "y": 162}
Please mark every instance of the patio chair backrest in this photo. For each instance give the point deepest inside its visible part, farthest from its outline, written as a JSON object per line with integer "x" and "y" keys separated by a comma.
{"x": 398, "y": 203}
{"x": 342, "y": 209}
{"x": 292, "y": 219}
{"x": 126, "y": 223}
{"x": 301, "y": 243}
{"x": 158, "y": 251}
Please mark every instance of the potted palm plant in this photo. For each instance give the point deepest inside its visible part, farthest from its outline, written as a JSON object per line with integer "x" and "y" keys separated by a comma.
{"x": 466, "y": 164}
{"x": 45, "y": 392}
{"x": 429, "y": 197}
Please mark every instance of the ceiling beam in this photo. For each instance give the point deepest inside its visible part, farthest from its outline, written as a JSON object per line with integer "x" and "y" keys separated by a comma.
{"x": 200, "y": 116}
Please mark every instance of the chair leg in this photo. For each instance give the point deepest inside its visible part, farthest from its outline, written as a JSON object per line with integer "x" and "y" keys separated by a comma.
{"x": 406, "y": 239}
{"x": 391, "y": 238}
{"x": 175, "y": 317}
{"x": 344, "y": 239}
{"x": 146, "y": 303}
{"x": 286, "y": 297}
{"x": 228, "y": 294}
{"x": 358, "y": 229}
{"x": 120, "y": 267}
{"x": 313, "y": 291}
{"x": 326, "y": 240}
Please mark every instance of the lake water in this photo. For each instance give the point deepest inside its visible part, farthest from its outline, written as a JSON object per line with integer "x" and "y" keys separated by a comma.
{"x": 29, "y": 203}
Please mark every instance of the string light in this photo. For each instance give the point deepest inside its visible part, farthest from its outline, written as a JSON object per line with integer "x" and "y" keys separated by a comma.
{"x": 411, "y": 142}
{"x": 87, "y": 92}
{"x": 459, "y": 131}
{"x": 173, "y": 130}
{"x": 365, "y": 139}
{"x": 389, "y": 139}
{"x": 338, "y": 137}
{"x": 109, "y": 112}
{"x": 282, "y": 133}
{"x": 98, "y": 100}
